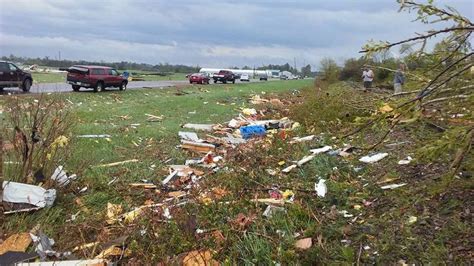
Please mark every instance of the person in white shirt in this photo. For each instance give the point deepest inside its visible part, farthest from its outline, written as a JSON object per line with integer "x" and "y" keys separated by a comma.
{"x": 368, "y": 77}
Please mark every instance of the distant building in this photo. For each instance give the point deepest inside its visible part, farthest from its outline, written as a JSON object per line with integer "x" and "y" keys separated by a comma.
{"x": 288, "y": 74}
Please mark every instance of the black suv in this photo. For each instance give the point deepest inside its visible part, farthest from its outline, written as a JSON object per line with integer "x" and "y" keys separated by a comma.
{"x": 12, "y": 76}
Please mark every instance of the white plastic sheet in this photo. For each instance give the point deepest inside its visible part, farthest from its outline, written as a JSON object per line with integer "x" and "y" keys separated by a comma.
{"x": 14, "y": 192}
{"x": 61, "y": 177}
{"x": 321, "y": 188}
{"x": 373, "y": 158}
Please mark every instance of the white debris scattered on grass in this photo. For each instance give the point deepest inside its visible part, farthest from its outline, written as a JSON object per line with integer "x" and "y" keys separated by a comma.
{"x": 61, "y": 177}
{"x": 305, "y": 160}
{"x": 321, "y": 188}
{"x": 405, "y": 161}
{"x": 270, "y": 210}
{"x": 302, "y": 139}
{"x": 23, "y": 193}
{"x": 289, "y": 168}
{"x": 321, "y": 150}
{"x": 203, "y": 127}
{"x": 346, "y": 214}
{"x": 191, "y": 136}
{"x": 393, "y": 186}
{"x": 167, "y": 214}
{"x": 411, "y": 220}
{"x": 118, "y": 163}
{"x": 169, "y": 177}
{"x": 373, "y": 158}
{"x": 234, "y": 123}
{"x": 94, "y": 136}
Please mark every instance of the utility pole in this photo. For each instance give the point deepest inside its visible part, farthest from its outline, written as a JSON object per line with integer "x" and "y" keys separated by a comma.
{"x": 296, "y": 70}
{"x": 59, "y": 55}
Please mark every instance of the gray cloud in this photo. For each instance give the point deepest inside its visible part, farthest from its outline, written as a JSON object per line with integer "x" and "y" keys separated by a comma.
{"x": 218, "y": 33}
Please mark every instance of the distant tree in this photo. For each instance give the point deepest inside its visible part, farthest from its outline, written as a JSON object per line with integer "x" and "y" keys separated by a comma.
{"x": 306, "y": 71}
{"x": 352, "y": 69}
{"x": 329, "y": 70}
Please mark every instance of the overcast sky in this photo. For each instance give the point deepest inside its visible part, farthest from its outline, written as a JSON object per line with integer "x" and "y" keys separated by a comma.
{"x": 217, "y": 33}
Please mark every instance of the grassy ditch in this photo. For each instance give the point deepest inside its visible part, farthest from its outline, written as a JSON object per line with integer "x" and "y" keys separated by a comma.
{"x": 356, "y": 222}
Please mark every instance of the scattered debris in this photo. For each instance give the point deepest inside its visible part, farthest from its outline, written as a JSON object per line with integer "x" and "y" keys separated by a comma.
{"x": 346, "y": 151}
{"x": 199, "y": 258}
{"x": 189, "y": 136}
{"x": 304, "y": 243}
{"x": 114, "y": 248}
{"x": 144, "y": 185}
{"x": 94, "y": 136}
{"x": 113, "y": 212}
{"x": 44, "y": 245}
{"x": 321, "y": 188}
{"x": 17, "y": 242}
{"x": 321, "y": 150}
{"x": 248, "y": 132}
{"x": 61, "y": 177}
{"x": 277, "y": 202}
{"x": 249, "y": 111}
{"x": 203, "y": 127}
{"x": 305, "y": 160}
{"x": 89, "y": 262}
{"x": 118, "y": 163}
{"x": 27, "y": 194}
{"x": 289, "y": 168}
{"x": 154, "y": 118}
{"x": 385, "y": 109}
{"x": 169, "y": 177}
{"x": 346, "y": 214}
{"x": 373, "y": 158}
{"x": 16, "y": 258}
{"x": 411, "y": 220}
{"x": 302, "y": 139}
{"x": 197, "y": 146}
{"x": 177, "y": 194}
{"x": 393, "y": 186}
{"x": 270, "y": 210}
{"x": 405, "y": 161}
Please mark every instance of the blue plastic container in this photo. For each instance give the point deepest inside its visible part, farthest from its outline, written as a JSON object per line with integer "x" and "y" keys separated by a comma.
{"x": 252, "y": 131}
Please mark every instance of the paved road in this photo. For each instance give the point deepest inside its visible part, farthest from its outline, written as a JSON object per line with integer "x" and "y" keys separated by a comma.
{"x": 64, "y": 87}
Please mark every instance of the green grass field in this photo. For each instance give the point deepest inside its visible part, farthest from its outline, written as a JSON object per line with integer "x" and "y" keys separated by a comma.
{"x": 39, "y": 77}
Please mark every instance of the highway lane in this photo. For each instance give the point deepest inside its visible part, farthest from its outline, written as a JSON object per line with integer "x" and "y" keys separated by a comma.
{"x": 64, "y": 87}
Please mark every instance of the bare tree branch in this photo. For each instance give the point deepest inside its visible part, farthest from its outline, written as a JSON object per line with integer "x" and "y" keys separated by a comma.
{"x": 423, "y": 37}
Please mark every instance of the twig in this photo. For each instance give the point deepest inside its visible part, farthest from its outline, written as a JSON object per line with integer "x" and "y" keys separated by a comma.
{"x": 384, "y": 136}
{"x": 462, "y": 96}
{"x": 462, "y": 151}
{"x": 452, "y": 53}
{"x": 422, "y": 37}
{"x": 423, "y": 95}
{"x": 358, "y": 255}
{"x": 440, "y": 12}
{"x": 441, "y": 91}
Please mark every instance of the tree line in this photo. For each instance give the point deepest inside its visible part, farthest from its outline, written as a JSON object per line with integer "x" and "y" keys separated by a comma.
{"x": 123, "y": 65}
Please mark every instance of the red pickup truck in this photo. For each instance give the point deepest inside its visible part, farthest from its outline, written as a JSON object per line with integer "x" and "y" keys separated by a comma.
{"x": 224, "y": 76}
{"x": 95, "y": 77}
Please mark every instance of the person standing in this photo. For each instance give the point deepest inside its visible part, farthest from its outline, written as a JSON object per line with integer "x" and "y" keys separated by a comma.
{"x": 399, "y": 79}
{"x": 368, "y": 77}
